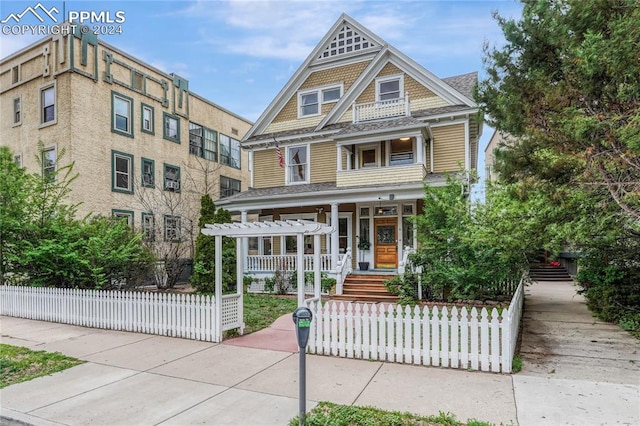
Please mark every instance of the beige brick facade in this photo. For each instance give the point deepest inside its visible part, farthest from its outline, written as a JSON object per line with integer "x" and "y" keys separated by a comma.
{"x": 85, "y": 83}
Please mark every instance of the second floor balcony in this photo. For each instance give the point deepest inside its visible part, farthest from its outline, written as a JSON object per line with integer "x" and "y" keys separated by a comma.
{"x": 381, "y": 109}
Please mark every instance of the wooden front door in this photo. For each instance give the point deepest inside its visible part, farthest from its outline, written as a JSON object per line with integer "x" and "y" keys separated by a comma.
{"x": 386, "y": 242}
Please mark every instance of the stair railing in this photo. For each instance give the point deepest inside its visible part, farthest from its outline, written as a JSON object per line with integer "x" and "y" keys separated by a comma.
{"x": 343, "y": 268}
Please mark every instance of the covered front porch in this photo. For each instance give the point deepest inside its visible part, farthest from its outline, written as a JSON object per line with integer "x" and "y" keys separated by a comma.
{"x": 372, "y": 228}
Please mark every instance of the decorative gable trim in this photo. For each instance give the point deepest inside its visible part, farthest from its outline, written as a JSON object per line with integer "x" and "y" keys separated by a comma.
{"x": 304, "y": 71}
{"x": 347, "y": 40}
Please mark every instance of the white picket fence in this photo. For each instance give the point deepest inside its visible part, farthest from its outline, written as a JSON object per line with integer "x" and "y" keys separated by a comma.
{"x": 445, "y": 337}
{"x": 175, "y": 315}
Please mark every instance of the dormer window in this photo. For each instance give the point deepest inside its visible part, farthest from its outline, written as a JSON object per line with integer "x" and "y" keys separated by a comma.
{"x": 309, "y": 101}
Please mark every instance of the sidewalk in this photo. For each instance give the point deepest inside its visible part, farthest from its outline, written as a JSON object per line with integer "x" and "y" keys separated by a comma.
{"x": 138, "y": 379}
{"x": 577, "y": 371}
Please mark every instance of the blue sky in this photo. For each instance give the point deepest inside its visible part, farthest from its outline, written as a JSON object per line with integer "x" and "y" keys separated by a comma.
{"x": 240, "y": 53}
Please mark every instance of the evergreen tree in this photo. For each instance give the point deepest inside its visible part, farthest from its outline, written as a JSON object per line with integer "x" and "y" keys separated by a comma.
{"x": 203, "y": 278}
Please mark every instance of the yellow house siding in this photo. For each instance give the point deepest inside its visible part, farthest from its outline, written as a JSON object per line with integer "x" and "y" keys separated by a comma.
{"x": 323, "y": 162}
{"x": 346, "y": 75}
{"x": 266, "y": 169}
{"x": 293, "y": 124}
{"x": 373, "y": 176}
{"x": 448, "y": 148}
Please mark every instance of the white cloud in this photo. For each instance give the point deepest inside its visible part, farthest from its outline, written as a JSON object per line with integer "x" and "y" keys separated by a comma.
{"x": 10, "y": 44}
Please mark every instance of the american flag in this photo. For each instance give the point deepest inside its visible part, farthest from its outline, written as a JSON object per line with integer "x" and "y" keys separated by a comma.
{"x": 279, "y": 153}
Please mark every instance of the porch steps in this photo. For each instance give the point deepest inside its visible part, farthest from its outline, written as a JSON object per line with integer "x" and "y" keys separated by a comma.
{"x": 366, "y": 288}
{"x": 548, "y": 273}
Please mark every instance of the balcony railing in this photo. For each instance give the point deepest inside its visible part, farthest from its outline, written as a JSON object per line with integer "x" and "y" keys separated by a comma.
{"x": 381, "y": 109}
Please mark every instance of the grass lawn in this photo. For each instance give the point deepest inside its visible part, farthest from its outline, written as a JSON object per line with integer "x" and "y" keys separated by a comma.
{"x": 326, "y": 413}
{"x": 19, "y": 364}
{"x": 261, "y": 310}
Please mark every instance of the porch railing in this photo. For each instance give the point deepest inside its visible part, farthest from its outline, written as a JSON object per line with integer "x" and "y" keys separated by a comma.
{"x": 288, "y": 262}
{"x": 381, "y": 109}
{"x": 405, "y": 264}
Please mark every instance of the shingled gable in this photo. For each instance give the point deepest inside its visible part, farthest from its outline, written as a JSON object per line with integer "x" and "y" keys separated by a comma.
{"x": 328, "y": 51}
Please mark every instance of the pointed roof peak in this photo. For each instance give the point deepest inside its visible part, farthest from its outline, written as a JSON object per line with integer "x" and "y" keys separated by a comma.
{"x": 349, "y": 37}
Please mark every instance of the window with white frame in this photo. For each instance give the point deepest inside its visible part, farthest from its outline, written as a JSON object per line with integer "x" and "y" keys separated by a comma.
{"x": 48, "y": 104}
{"x": 49, "y": 160}
{"x": 368, "y": 156}
{"x": 297, "y": 164}
{"x": 148, "y": 227}
{"x": 17, "y": 110}
{"x": 389, "y": 88}
{"x": 309, "y": 101}
{"x": 171, "y": 128}
{"x": 147, "y": 118}
{"x": 122, "y": 114}
{"x": 171, "y": 178}
{"x": 126, "y": 215}
{"x": 172, "y": 228}
{"x": 401, "y": 152}
{"x": 407, "y": 225}
{"x": 122, "y": 172}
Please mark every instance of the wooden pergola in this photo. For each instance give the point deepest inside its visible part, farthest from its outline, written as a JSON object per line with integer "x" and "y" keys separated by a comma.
{"x": 242, "y": 231}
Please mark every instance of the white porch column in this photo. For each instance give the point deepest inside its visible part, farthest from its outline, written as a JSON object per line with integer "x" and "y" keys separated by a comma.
{"x": 316, "y": 266}
{"x": 334, "y": 236}
{"x": 420, "y": 149}
{"x": 300, "y": 268}
{"x": 467, "y": 147}
{"x": 339, "y": 157}
{"x": 431, "y": 154}
{"x": 218, "y": 287}
{"x": 240, "y": 250}
{"x": 245, "y": 240}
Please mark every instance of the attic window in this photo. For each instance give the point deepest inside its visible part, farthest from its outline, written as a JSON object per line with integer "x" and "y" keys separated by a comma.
{"x": 309, "y": 101}
{"x": 347, "y": 40}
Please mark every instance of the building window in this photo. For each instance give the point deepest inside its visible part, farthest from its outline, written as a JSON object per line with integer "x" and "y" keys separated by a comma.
{"x": 309, "y": 104}
{"x": 15, "y": 74}
{"x": 122, "y": 113}
{"x": 368, "y": 156}
{"x": 17, "y": 111}
{"x": 195, "y": 139}
{"x": 172, "y": 228}
{"x": 309, "y": 100}
{"x": 171, "y": 178}
{"x": 401, "y": 152}
{"x": 126, "y": 215}
{"x": 148, "y": 227}
{"x": 122, "y": 172}
{"x": 298, "y": 169}
{"x": 137, "y": 81}
{"x": 48, "y": 104}
{"x": 210, "y": 149}
{"x": 228, "y": 186}
{"x": 331, "y": 94}
{"x": 407, "y": 225}
{"x": 147, "y": 119}
{"x": 49, "y": 161}
{"x": 171, "y": 128}
{"x": 148, "y": 173}
{"x": 229, "y": 151}
{"x": 389, "y": 88}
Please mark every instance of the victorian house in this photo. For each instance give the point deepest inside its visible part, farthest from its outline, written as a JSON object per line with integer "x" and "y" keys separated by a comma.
{"x": 351, "y": 140}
